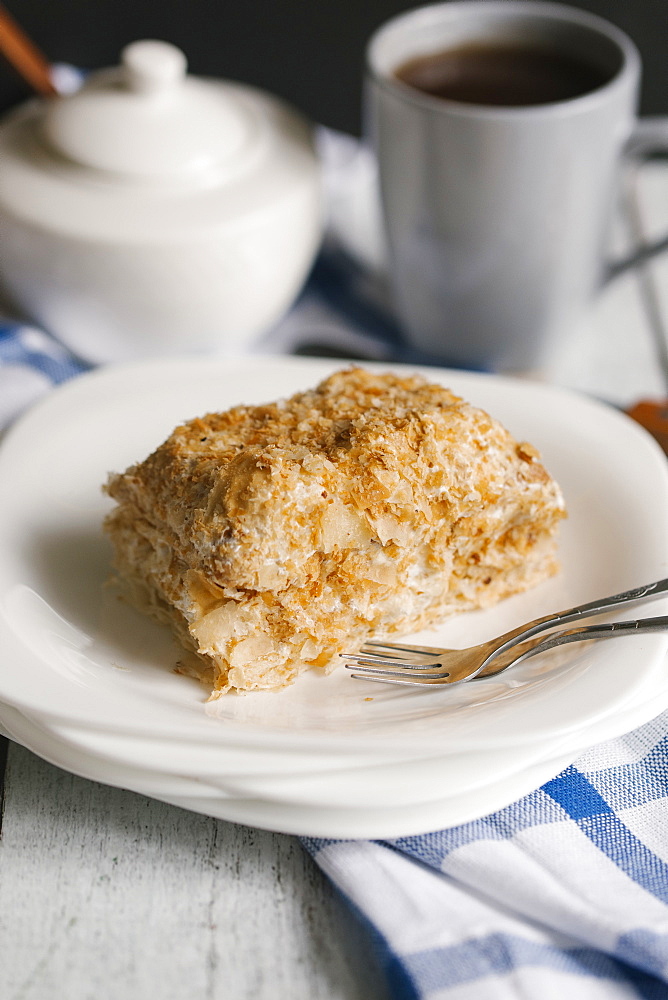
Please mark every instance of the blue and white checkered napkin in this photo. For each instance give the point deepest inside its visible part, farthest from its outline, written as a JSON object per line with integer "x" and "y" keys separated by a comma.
{"x": 562, "y": 894}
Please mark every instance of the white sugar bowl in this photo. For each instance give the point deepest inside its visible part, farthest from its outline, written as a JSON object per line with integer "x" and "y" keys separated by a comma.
{"x": 155, "y": 213}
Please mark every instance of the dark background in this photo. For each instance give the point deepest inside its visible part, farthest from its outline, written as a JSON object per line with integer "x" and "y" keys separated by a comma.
{"x": 310, "y": 52}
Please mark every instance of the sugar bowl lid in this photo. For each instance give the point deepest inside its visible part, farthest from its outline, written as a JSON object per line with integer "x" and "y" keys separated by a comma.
{"x": 148, "y": 119}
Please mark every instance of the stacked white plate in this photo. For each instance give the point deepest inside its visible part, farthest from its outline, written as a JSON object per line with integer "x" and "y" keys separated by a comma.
{"x": 89, "y": 684}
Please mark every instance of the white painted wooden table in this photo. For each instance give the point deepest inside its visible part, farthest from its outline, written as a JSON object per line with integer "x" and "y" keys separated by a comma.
{"x": 105, "y": 894}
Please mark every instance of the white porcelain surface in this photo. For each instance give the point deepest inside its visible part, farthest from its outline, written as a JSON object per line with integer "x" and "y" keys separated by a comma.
{"x": 281, "y": 816}
{"x": 152, "y": 213}
{"x": 84, "y": 642}
{"x": 97, "y": 676}
{"x": 322, "y": 815}
{"x": 361, "y": 784}
{"x": 146, "y": 118}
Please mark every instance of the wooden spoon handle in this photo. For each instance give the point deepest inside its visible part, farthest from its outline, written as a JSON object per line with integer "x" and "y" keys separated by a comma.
{"x": 654, "y": 417}
{"x": 24, "y": 56}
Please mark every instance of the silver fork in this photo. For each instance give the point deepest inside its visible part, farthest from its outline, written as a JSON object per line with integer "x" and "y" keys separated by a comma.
{"x": 397, "y": 663}
{"x": 463, "y": 665}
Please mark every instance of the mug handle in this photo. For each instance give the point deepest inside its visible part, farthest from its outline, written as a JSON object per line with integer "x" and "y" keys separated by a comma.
{"x": 649, "y": 140}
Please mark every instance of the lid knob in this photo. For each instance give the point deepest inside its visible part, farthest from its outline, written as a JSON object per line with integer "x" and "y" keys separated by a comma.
{"x": 147, "y": 118}
{"x": 152, "y": 66}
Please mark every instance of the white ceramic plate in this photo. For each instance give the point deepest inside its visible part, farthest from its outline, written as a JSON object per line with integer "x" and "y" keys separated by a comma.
{"x": 73, "y": 654}
{"x": 270, "y": 814}
{"x": 359, "y": 785}
{"x": 286, "y": 811}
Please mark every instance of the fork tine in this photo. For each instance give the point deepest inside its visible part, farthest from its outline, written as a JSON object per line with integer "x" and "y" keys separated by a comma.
{"x": 386, "y": 665}
{"x": 415, "y": 681}
{"x": 391, "y": 655}
{"x": 401, "y": 674}
{"x": 358, "y": 660}
{"x": 367, "y": 666}
{"x": 395, "y": 647}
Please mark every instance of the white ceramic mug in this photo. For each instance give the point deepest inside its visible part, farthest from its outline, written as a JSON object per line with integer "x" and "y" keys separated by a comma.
{"x": 496, "y": 217}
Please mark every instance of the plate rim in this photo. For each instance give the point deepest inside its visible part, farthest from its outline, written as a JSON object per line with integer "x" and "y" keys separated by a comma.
{"x": 175, "y": 366}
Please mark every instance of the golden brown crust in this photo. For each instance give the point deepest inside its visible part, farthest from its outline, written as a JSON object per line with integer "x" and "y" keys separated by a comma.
{"x": 279, "y": 535}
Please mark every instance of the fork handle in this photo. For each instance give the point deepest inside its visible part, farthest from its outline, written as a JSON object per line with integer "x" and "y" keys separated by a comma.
{"x": 605, "y": 630}
{"x": 646, "y": 593}
{"x": 649, "y": 592}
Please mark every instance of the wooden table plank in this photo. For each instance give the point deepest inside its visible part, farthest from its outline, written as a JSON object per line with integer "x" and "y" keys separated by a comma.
{"x": 105, "y": 894}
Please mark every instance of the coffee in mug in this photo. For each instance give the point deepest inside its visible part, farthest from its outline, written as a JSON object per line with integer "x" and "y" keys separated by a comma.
{"x": 504, "y": 74}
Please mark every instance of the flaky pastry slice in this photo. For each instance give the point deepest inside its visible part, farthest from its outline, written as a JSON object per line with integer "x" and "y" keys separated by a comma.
{"x": 273, "y": 537}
